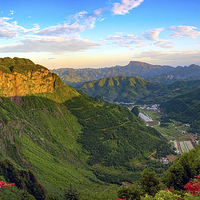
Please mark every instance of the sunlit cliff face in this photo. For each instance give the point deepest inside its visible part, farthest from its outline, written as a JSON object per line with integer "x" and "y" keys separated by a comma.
{"x": 21, "y": 77}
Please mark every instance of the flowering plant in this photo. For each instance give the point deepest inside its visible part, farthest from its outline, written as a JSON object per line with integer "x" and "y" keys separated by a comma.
{"x": 193, "y": 186}
{"x": 4, "y": 184}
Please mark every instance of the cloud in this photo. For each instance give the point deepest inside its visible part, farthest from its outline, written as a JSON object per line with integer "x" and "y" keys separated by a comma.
{"x": 12, "y": 29}
{"x": 124, "y": 7}
{"x": 141, "y": 40}
{"x": 12, "y": 12}
{"x": 78, "y": 23}
{"x": 169, "y": 57}
{"x": 50, "y": 44}
{"x": 7, "y": 34}
{"x": 124, "y": 40}
{"x": 99, "y": 11}
{"x": 165, "y": 44}
{"x": 153, "y": 34}
{"x": 54, "y": 39}
{"x": 184, "y": 31}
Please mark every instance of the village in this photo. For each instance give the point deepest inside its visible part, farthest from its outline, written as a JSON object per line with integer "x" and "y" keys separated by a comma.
{"x": 181, "y": 142}
{"x": 184, "y": 143}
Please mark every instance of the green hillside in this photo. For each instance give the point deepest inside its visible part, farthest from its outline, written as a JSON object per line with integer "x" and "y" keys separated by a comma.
{"x": 187, "y": 166}
{"x": 123, "y": 89}
{"x": 130, "y": 89}
{"x": 66, "y": 138}
{"x": 185, "y": 108}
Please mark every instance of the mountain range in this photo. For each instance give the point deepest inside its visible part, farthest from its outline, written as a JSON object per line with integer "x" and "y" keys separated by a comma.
{"x": 135, "y": 89}
{"x": 153, "y": 73}
{"x": 65, "y": 137}
{"x": 189, "y": 73}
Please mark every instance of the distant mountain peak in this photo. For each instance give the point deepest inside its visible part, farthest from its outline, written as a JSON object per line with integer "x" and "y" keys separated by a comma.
{"x": 194, "y": 66}
{"x": 137, "y": 63}
{"x": 76, "y": 77}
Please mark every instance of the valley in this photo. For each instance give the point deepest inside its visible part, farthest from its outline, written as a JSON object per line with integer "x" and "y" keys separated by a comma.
{"x": 66, "y": 137}
{"x": 70, "y": 140}
{"x": 100, "y": 100}
{"x": 176, "y": 132}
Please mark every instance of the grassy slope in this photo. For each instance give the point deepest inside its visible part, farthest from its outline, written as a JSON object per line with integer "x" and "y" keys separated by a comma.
{"x": 45, "y": 134}
{"x": 42, "y": 134}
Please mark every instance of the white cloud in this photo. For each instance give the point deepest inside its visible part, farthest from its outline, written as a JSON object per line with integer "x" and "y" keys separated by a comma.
{"x": 12, "y": 29}
{"x": 153, "y": 34}
{"x": 124, "y": 7}
{"x": 124, "y": 40}
{"x": 54, "y": 39}
{"x": 7, "y": 34}
{"x": 78, "y": 23}
{"x": 165, "y": 44}
{"x": 184, "y": 31}
{"x": 50, "y": 44}
{"x": 169, "y": 57}
{"x": 12, "y": 12}
{"x": 61, "y": 29}
{"x": 141, "y": 40}
{"x": 99, "y": 11}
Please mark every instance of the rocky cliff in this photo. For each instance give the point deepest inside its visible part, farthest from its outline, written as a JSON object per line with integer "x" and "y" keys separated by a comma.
{"x": 21, "y": 77}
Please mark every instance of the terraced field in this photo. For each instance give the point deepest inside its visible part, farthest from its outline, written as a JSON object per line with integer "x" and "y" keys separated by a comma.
{"x": 183, "y": 146}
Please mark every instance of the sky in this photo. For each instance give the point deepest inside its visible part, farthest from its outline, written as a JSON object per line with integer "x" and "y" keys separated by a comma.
{"x": 101, "y": 33}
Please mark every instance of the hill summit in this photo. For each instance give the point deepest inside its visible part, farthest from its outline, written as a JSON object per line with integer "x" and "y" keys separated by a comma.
{"x": 21, "y": 77}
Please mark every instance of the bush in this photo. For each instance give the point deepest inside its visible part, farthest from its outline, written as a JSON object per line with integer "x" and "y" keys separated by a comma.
{"x": 162, "y": 195}
{"x": 129, "y": 192}
{"x": 71, "y": 194}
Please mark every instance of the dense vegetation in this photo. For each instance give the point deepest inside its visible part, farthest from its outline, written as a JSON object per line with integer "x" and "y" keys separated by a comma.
{"x": 123, "y": 89}
{"x": 180, "y": 181}
{"x": 131, "y": 89}
{"x": 113, "y": 136}
{"x": 65, "y": 137}
{"x": 24, "y": 180}
{"x": 185, "y": 108}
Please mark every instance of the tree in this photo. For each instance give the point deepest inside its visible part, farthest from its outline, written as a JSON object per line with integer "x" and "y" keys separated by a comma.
{"x": 135, "y": 111}
{"x": 150, "y": 184}
{"x": 71, "y": 194}
{"x": 181, "y": 171}
{"x": 129, "y": 192}
{"x": 162, "y": 195}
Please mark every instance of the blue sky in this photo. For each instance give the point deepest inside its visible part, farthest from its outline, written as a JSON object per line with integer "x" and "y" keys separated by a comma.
{"x": 101, "y": 33}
